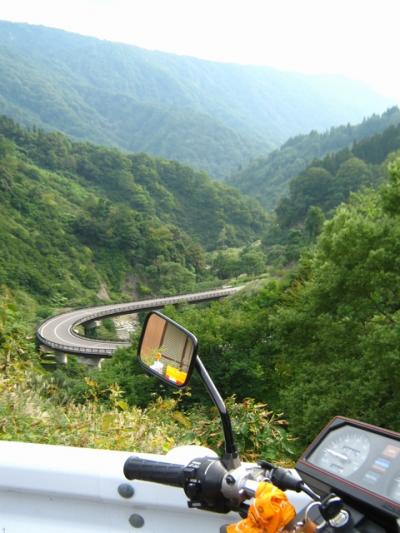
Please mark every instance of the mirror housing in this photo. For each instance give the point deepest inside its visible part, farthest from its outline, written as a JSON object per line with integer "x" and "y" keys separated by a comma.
{"x": 167, "y": 350}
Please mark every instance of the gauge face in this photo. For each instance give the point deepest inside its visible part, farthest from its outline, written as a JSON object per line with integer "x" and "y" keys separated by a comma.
{"x": 358, "y": 461}
{"x": 394, "y": 493}
{"x": 343, "y": 452}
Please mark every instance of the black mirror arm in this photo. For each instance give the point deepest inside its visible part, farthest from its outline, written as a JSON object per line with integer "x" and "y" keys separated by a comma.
{"x": 231, "y": 457}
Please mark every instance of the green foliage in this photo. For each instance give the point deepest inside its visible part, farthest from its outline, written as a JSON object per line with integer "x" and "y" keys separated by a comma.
{"x": 340, "y": 328}
{"x": 314, "y": 222}
{"x": 15, "y": 343}
{"x": 125, "y": 371}
{"x": 269, "y": 178}
{"x": 316, "y": 186}
{"x": 325, "y": 342}
{"x": 230, "y": 263}
{"x": 34, "y": 407}
{"x": 322, "y": 343}
{"x": 313, "y": 187}
{"x": 76, "y": 217}
{"x": 259, "y": 433}
{"x": 324, "y": 185}
{"x": 105, "y": 330}
{"x": 330, "y": 181}
{"x": 391, "y": 192}
{"x": 212, "y": 116}
{"x": 233, "y": 335}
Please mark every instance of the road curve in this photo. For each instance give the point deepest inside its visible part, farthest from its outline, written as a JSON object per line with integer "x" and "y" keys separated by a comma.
{"x": 58, "y": 331}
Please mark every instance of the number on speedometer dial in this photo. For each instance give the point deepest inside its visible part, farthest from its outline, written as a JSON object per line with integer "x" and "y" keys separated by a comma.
{"x": 343, "y": 453}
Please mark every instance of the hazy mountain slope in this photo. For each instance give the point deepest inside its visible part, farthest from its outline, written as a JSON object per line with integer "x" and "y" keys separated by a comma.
{"x": 268, "y": 178}
{"x": 75, "y": 216}
{"x": 211, "y": 115}
{"x": 329, "y": 181}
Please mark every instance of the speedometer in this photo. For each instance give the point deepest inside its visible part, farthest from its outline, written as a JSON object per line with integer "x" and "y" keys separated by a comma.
{"x": 358, "y": 461}
{"x": 343, "y": 452}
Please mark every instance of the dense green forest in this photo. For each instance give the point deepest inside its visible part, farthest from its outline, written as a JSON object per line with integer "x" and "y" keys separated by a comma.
{"x": 320, "y": 342}
{"x": 315, "y": 339}
{"x": 327, "y": 182}
{"x": 76, "y": 217}
{"x": 321, "y": 187}
{"x": 210, "y": 115}
{"x": 268, "y": 178}
{"x": 35, "y": 407}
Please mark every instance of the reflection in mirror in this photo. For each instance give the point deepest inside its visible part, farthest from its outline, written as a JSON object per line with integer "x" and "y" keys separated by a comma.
{"x": 167, "y": 350}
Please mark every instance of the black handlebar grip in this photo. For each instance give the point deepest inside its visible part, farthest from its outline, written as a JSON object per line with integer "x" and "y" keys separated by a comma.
{"x": 156, "y": 471}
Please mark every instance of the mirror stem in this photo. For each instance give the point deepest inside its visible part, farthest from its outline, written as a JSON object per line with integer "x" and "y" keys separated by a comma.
{"x": 231, "y": 456}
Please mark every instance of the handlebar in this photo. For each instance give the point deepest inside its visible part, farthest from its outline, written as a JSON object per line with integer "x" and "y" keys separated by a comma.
{"x": 201, "y": 479}
{"x": 210, "y": 486}
{"x": 155, "y": 471}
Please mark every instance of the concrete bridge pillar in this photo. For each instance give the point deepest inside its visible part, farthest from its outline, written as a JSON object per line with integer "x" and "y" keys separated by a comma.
{"x": 61, "y": 358}
{"x": 92, "y": 360}
{"x": 92, "y": 324}
{"x": 89, "y": 326}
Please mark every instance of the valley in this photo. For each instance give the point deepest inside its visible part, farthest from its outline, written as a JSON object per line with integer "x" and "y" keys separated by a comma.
{"x": 109, "y": 156}
{"x": 212, "y": 116}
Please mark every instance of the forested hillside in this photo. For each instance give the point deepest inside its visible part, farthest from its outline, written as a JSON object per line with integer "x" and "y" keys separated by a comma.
{"x": 37, "y": 405}
{"x": 328, "y": 327}
{"x": 326, "y": 340}
{"x": 319, "y": 342}
{"x": 268, "y": 178}
{"x": 327, "y": 182}
{"x": 107, "y": 158}
{"x": 210, "y": 115}
{"x": 317, "y": 191}
{"x": 76, "y": 217}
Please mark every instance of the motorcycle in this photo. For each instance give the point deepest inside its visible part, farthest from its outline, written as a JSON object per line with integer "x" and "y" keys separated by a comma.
{"x": 347, "y": 480}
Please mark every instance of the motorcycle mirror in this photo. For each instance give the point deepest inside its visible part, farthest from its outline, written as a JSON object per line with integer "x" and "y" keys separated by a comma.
{"x": 167, "y": 350}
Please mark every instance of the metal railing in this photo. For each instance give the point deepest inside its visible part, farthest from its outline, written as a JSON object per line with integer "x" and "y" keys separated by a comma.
{"x": 121, "y": 309}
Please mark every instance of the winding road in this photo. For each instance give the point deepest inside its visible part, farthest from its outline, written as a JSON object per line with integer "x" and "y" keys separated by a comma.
{"x": 58, "y": 332}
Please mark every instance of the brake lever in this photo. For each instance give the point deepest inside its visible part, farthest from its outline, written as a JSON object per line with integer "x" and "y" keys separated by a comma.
{"x": 286, "y": 479}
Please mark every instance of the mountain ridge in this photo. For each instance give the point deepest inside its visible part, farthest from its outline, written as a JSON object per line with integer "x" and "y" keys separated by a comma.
{"x": 75, "y": 217}
{"x": 268, "y": 178}
{"x": 213, "y": 116}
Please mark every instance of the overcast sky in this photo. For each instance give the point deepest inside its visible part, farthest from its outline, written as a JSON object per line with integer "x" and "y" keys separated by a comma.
{"x": 355, "y": 38}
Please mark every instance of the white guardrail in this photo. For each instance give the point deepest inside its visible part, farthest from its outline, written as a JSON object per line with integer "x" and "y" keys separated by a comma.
{"x": 58, "y": 489}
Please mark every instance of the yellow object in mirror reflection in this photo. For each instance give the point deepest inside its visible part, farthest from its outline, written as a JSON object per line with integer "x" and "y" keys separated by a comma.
{"x": 175, "y": 375}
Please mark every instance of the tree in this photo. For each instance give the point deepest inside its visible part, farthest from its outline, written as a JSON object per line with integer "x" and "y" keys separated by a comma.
{"x": 351, "y": 176}
{"x": 313, "y": 187}
{"x": 391, "y": 192}
{"x": 227, "y": 264}
{"x": 314, "y": 222}
{"x": 339, "y": 331}
{"x": 252, "y": 261}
